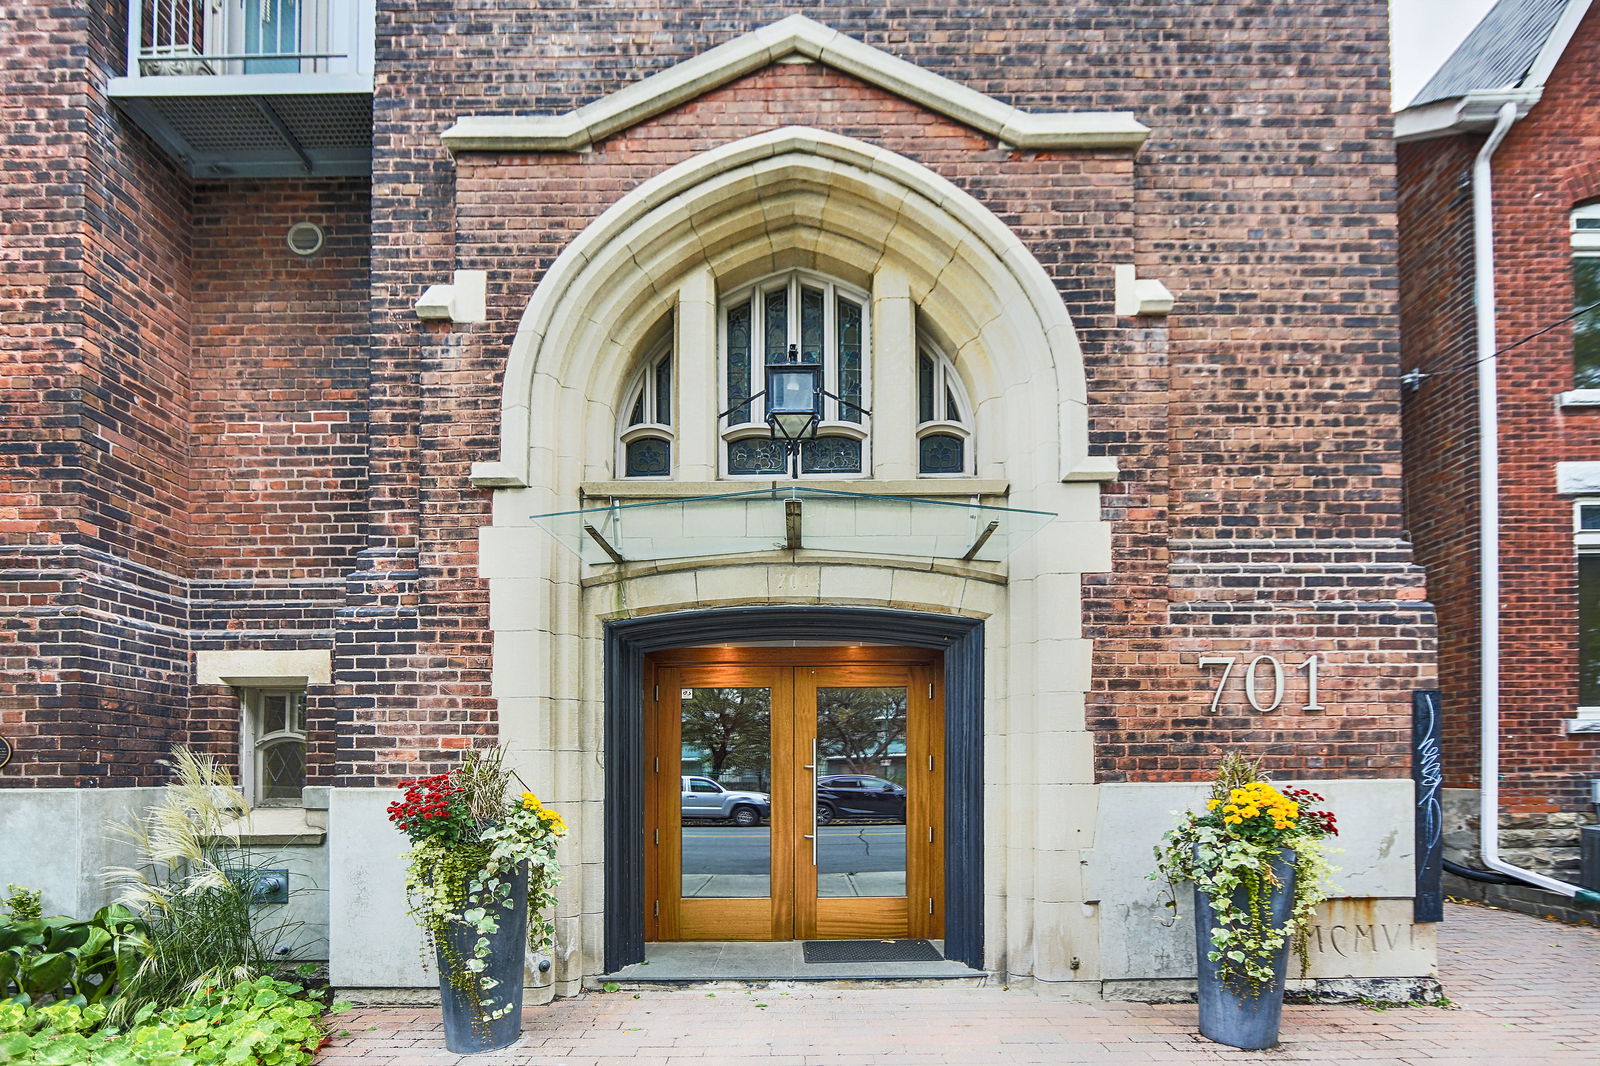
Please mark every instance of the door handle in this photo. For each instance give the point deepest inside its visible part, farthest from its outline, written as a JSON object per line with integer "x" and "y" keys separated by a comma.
{"x": 812, "y": 766}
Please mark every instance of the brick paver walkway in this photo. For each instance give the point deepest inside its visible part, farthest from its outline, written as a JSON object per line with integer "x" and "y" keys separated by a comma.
{"x": 1527, "y": 990}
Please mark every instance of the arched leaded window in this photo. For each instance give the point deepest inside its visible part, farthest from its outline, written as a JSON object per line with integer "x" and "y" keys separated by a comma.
{"x": 825, "y": 323}
{"x": 646, "y": 434}
{"x": 944, "y": 434}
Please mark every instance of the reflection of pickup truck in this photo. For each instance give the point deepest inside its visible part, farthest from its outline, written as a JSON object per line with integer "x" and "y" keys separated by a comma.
{"x": 704, "y": 798}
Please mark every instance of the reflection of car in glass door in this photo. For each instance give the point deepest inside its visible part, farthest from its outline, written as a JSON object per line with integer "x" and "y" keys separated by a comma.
{"x": 841, "y": 796}
{"x": 704, "y": 798}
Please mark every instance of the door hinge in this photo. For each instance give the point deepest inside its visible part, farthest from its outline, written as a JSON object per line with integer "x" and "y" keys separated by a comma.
{"x": 658, "y": 837}
{"x": 655, "y": 763}
{"x": 930, "y": 834}
{"x": 930, "y": 762}
{"x": 656, "y": 911}
{"x": 658, "y": 694}
{"x": 930, "y": 904}
{"x": 930, "y": 690}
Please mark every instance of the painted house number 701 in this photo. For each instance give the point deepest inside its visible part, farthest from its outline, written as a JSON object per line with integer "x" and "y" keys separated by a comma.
{"x": 1273, "y": 668}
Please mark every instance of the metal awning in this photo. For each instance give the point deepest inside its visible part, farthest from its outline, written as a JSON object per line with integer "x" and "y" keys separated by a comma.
{"x": 789, "y": 518}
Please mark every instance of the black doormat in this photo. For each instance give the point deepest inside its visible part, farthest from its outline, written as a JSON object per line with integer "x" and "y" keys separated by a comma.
{"x": 871, "y": 951}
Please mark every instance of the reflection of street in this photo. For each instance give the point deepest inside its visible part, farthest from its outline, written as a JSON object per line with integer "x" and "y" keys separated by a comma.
{"x": 852, "y": 860}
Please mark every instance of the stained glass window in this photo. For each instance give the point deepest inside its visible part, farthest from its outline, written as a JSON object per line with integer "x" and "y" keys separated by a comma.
{"x": 831, "y": 455}
{"x": 775, "y": 317}
{"x": 275, "y": 729}
{"x": 811, "y": 305}
{"x": 827, "y": 328}
{"x": 649, "y": 405}
{"x": 649, "y": 457}
{"x": 756, "y": 455}
{"x": 940, "y": 407}
{"x": 941, "y": 453}
{"x": 739, "y": 361}
{"x": 849, "y": 360}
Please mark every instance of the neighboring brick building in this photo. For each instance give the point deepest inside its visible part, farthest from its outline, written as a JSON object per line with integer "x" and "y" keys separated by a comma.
{"x": 1529, "y": 66}
{"x": 298, "y": 347}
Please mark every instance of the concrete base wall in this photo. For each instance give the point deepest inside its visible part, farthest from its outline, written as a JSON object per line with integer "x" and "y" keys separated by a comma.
{"x": 59, "y": 842}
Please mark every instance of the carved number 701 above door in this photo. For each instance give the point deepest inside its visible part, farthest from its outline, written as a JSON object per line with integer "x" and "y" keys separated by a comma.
{"x": 1253, "y": 681}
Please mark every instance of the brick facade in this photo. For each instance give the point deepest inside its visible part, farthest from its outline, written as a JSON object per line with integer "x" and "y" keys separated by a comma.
{"x": 1543, "y": 169}
{"x": 294, "y": 464}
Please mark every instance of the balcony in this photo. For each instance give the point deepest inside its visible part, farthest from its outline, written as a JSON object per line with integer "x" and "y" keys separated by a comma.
{"x": 253, "y": 88}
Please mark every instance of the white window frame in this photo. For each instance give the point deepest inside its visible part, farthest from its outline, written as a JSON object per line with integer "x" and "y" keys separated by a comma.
{"x": 643, "y": 385}
{"x": 828, "y": 426}
{"x": 946, "y": 380}
{"x": 252, "y": 740}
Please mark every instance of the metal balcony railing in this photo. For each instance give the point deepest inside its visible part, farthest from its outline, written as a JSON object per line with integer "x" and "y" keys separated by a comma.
{"x": 177, "y": 38}
{"x": 253, "y": 88}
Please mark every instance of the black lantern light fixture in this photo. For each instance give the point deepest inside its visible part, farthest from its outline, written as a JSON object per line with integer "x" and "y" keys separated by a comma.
{"x": 794, "y": 399}
{"x": 794, "y": 396}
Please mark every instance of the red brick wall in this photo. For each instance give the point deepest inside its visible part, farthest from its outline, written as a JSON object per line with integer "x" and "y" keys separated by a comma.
{"x": 1441, "y": 419}
{"x": 1544, "y": 168}
{"x": 279, "y": 431}
{"x": 1539, "y": 175}
{"x": 1259, "y": 426}
{"x": 96, "y": 332}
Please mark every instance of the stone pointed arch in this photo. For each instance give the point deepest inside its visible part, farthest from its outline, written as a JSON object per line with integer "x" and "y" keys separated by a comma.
{"x": 817, "y": 194}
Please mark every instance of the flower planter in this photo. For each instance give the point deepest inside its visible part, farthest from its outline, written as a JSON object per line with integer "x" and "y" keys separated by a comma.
{"x": 467, "y": 1030}
{"x": 1234, "y": 1012}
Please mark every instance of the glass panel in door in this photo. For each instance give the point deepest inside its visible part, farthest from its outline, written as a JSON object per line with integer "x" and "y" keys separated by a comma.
{"x": 861, "y": 791}
{"x": 271, "y": 27}
{"x": 726, "y": 771}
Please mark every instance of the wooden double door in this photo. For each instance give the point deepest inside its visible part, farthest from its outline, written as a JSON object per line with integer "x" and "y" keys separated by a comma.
{"x": 794, "y": 793}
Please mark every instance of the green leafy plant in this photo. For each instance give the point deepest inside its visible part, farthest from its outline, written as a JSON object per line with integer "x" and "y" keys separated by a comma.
{"x": 58, "y": 958}
{"x": 1232, "y": 845}
{"x": 193, "y": 885}
{"x": 264, "y": 1021}
{"x": 23, "y": 903}
{"x": 468, "y": 839}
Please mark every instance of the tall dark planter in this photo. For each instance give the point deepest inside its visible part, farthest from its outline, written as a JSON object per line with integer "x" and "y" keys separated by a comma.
{"x": 1229, "y": 1012}
{"x": 465, "y": 1030}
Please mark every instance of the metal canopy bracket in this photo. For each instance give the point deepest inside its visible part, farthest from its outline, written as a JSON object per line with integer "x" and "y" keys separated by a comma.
{"x": 816, "y": 519}
{"x": 791, "y": 524}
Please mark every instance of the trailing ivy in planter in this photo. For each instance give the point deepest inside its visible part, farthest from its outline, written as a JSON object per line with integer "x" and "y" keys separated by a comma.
{"x": 1257, "y": 861}
{"x": 480, "y": 876}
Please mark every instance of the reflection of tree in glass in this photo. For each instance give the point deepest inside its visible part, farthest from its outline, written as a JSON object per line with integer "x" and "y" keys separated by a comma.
{"x": 733, "y": 726}
{"x": 1586, "y": 327}
{"x": 1588, "y": 629}
{"x": 860, "y": 727}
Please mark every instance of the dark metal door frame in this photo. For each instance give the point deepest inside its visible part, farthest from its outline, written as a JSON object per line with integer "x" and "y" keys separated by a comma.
{"x": 627, "y": 642}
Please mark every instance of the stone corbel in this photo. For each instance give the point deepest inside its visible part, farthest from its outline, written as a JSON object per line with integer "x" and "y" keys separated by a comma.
{"x": 464, "y": 300}
{"x": 1135, "y": 296}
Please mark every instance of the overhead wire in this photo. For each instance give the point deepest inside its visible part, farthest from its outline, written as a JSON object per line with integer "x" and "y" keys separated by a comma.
{"x": 1413, "y": 379}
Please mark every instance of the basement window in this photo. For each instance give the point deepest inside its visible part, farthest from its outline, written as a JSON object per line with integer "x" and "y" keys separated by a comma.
{"x": 274, "y": 746}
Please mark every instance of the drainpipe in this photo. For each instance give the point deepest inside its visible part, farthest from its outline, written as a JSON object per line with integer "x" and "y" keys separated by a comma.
{"x": 1489, "y": 520}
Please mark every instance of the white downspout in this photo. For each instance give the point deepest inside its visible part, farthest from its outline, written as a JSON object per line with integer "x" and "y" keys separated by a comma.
{"x": 1489, "y": 517}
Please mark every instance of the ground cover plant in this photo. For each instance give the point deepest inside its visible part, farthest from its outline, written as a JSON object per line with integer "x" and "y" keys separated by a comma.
{"x": 44, "y": 959}
{"x": 265, "y": 1021}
